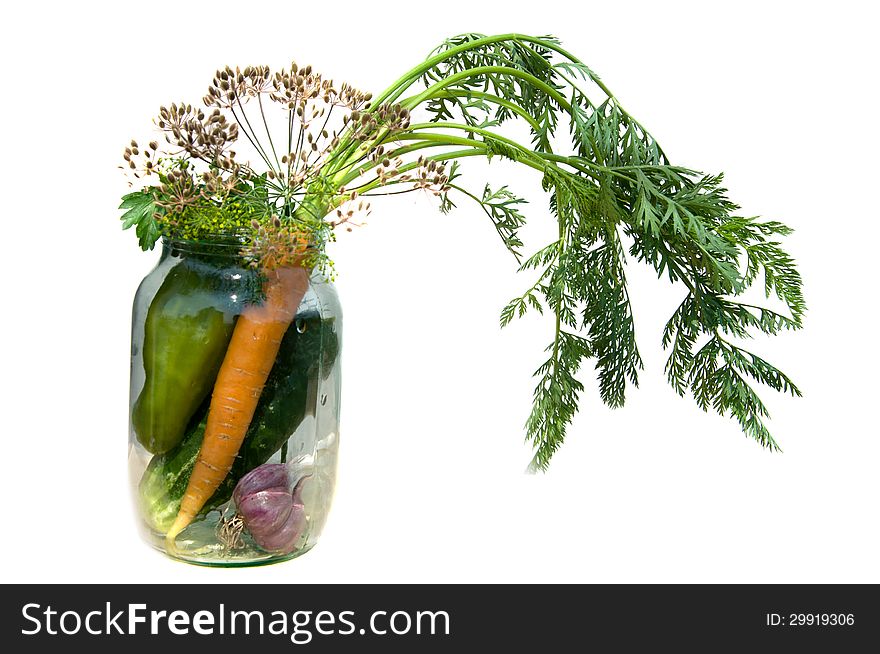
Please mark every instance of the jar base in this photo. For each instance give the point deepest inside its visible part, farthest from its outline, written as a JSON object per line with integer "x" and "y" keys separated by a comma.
{"x": 198, "y": 546}
{"x": 232, "y": 561}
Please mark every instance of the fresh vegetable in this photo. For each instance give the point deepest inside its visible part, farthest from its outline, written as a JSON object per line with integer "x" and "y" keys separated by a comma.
{"x": 269, "y": 501}
{"x": 288, "y": 397}
{"x": 249, "y": 359}
{"x": 308, "y": 350}
{"x": 612, "y": 191}
{"x": 167, "y": 475}
{"x": 186, "y": 332}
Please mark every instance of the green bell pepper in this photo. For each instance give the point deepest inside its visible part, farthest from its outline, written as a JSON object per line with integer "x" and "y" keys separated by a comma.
{"x": 188, "y": 327}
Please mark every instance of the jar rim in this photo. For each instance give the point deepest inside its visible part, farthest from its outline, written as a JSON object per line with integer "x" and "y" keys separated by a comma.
{"x": 228, "y": 243}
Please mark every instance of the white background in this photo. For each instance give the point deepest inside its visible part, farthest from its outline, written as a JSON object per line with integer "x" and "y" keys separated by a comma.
{"x": 781, "y": 96}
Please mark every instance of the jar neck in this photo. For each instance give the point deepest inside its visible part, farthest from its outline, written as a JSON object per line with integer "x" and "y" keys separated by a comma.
{"x": 224, "y": 249}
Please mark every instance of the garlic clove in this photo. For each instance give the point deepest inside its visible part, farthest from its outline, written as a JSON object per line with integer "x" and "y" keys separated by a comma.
{"x": 264, "y": 477}
{"x": 284, "y": 539}
{"x": 265, "y": 512}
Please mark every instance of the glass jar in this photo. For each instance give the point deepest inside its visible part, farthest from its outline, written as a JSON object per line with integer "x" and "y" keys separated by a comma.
{"x": 189, "y": 327}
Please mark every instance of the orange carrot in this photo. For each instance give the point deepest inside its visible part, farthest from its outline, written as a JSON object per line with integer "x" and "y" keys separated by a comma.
{"x": 249, "y": 358}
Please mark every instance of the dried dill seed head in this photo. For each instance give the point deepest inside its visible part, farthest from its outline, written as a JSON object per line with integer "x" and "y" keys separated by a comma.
{"x": 177, "y": 192}
{"x": 230, "y": 87}
{"x": 279, "y": 244}
{"x": 387, "y": 119}
{"x": 430, "y": 176}
{"x": 296, "y": 87}
{"x": 139, "y": 162}
{"x": 199, "y": 135}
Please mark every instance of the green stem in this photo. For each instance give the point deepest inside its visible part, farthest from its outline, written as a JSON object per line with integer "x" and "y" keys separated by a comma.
{"x": 419, "y": 145}
{"x": 416, "y": 100}
{"x": 247, "y": 134}
{"x": 579, "y": 163}
{"x": 397, "y": 88}
{"x": 565, "y": 53}
{"x": 344, "y": 167}
{"x": 254, "y": 141}
{"x": 268, "y": 132}
{"x": 406, "y": 80}
{"x": 439, "y": 89}
{"x": 415, "y": 127}
{"x": 480, "y": 202}
{"x": 494, "y": 99}
{"x": 537, "y": 160}
{"x": 438, "y": 139}
{"x": 446, "y": 156}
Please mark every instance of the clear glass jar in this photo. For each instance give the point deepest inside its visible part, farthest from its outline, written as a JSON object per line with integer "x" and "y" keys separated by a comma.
{"x": 186, "y": 312}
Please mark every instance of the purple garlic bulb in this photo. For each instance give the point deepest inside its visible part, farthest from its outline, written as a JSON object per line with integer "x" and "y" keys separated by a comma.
{"x": 269, "y": 501}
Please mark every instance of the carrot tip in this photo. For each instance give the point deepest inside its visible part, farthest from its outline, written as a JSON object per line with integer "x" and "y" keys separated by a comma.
{"x": 179, "y": 525}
